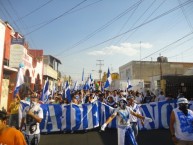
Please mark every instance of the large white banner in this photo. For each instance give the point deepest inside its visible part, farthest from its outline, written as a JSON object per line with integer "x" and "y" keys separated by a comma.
{"x": 87, "y": 116}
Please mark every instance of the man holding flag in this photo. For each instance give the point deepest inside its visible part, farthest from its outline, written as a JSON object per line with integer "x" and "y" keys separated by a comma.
{"x": 124, "y": 130}
{"x": 14, "y": 106}
{"x": 32, "y": 116}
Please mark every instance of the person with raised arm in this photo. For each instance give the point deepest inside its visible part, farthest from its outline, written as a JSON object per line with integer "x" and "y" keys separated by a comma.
{"x": 125, "y": 132}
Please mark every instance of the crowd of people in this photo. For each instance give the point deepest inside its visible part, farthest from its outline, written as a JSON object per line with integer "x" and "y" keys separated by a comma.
{"x": 126, "y": 104}
{"x": 111, "y": 98}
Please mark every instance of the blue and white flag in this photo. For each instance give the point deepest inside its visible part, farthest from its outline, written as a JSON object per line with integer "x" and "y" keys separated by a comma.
{"x": 102, "y": 89}
{"x": 75, "y": 88}
{"x": 108, "y": 81}
{"x": 63, "y": 85}
{"x": 45, "y": 92}
{"x": 54, "y": 89}
{"x": 67, "y": 92}
{"x": 83, "y": 76}
{"x": 91, "y": 83}
{"x": 129, "y": 84}
{"x": 104, "y": 113}
{"x": 86, "y": 86}
{"x": 20, "y": 79}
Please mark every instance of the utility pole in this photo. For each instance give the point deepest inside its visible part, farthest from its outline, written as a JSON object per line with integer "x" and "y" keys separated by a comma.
{"x": 100, "y": 70}
{"x": 161, "y": 60}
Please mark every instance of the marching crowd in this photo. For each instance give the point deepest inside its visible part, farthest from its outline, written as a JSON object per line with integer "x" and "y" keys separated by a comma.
{"x": 126, "y": 104}
{"x": 111, "y": 98}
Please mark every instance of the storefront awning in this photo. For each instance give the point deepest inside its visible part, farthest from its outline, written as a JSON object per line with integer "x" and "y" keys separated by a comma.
{"x": 10, "y": 68}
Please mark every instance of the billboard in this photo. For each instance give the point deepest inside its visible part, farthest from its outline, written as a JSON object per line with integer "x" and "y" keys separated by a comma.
{"x": 18, "y": 41}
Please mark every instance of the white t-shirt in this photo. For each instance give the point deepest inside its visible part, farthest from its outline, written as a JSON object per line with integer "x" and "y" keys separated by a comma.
{"x": 30, "y": 122}
{"x": 183, "y": 125}
{"x": 161, "y": 98}
{"x": 135, "y": 109}
{"x": 115, "y": 98}
{"x": 123, "y": 116}
{"x": 138, "y": 99}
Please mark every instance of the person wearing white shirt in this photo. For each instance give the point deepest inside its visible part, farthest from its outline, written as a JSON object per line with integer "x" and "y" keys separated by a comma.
{"x": 138, "y": 98}
{"x": 181, "y": 123}
{"x": 161, "y": 97}
{"x": 125, "y": 132}
{"x": 133, "y": 119}
{"x": 32, "y": 115}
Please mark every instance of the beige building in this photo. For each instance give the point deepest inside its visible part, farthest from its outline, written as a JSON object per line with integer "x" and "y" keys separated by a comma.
{"x": 144, "y": 70}
{"x": 51, "y": 71}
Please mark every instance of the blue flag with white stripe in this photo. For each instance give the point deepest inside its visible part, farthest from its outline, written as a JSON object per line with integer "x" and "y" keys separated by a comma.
{"x": 20, "y": 79}
{"x": 86, "y": 86}
{"x": 75, "y": 88}
{"x": 129, "y": 84}
{"x": 91, "y": 83}
{"x": 45, "y": 92}
{"x": 104, "y": 113}
{"x": 108, "y": 81}
{"x": 67, "y": 92}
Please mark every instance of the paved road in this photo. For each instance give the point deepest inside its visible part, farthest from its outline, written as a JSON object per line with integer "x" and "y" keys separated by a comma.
{"x": 109, "y": 137}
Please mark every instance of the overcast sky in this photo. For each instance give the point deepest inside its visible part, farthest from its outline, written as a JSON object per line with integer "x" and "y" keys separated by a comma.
{"x": 80, "y": 32}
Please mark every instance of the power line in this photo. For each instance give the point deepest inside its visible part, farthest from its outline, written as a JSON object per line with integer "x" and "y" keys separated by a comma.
{"x": 182, "y": 52}
{"x": 141, "y": 17}
{"x": 181, "y": 43}
{"x": 127, "y": 21}
{"x": 85, "y": 6}
{"x": 44, "y": 22}
{"x": 101, "y": 28}
{"x": 153, "y": 19}
{"x": 54, "y": 19}
{"x": 3, "y": 12}
{"x": 170, "y": 28}
{"x": 15, "y": 12}
{"x": 168, "y": 45}
{"x": 7, "y": 12}
{"x": 35, "y": 10}
{"x": 187, "y": 20}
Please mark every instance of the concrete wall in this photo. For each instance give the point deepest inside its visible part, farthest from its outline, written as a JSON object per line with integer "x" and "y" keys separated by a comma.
{"x": 146, "y": 69}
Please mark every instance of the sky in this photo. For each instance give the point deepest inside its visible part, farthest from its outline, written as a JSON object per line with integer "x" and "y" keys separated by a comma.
{"x": 80, "y": 33}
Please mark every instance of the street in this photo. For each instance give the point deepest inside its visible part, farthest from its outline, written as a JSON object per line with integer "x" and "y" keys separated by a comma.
{"x": 109, "y": 137}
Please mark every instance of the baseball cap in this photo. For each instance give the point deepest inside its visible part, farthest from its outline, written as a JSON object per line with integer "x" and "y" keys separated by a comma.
{"x": 182, "y": 101}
